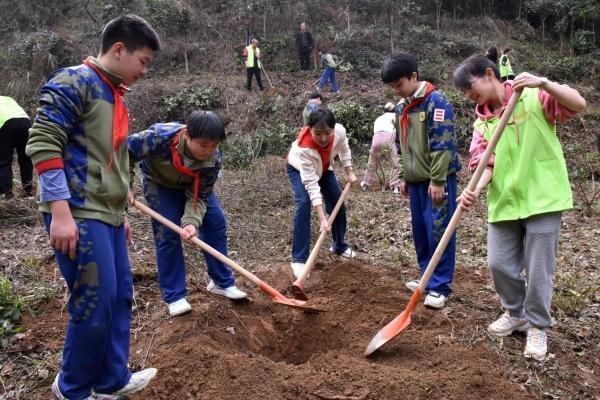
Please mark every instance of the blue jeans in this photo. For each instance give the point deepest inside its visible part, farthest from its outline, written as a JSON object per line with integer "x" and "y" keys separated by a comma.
{"x": 169, "y": 251}
{"x": 96, "y": 348}
{"x": 330, "y": 189}
{"x": 429, "y": 221}
{"x": 329, "y": 74}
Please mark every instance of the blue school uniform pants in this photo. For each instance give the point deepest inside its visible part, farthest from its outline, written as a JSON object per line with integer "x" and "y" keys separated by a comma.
{"x": 329, "y": 75}
{"x": 96, "y": 347}
{"x": 330, "y": 189}
{"x": 169, "y": 251}
{"x": 429, "y": 222}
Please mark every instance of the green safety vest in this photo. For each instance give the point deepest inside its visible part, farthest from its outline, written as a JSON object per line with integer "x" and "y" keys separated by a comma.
{"x": 9, "y": 109}
{"x": 505, "y": 68}
{"x": 250, "y": 60}
{"x": 530, "y": 174}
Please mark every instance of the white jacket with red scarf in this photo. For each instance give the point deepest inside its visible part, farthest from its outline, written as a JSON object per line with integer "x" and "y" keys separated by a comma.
{"x": 308, "y": 162}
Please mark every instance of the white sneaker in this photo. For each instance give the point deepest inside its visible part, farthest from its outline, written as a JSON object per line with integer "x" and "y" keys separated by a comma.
{"x": 537, "y": 344}
{"x": 505, "y": 325}
{"x": 396, "y": 190}
{"x": 412, "y": 285}
{"x": 297, "y": 267}
{"x": 348, "y": 253}
{"x": 435, "y": 300}
{"x": 363, "y": 186}
{"x": 137, "y": 382}
{"x": 179, "y": 307}
{"x": 232, "y": 292}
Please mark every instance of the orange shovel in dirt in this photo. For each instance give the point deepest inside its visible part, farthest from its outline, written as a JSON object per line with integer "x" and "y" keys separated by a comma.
{"x": 399, "y": 323}
{"x": 298, "y": 286}
{"x": 275, "y": 295}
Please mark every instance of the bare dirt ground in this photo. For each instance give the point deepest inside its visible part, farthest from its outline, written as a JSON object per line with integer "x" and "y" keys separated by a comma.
{"x": 258, "y": 349}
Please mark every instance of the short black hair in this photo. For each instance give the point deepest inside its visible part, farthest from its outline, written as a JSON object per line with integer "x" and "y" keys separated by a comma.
{"x": 320, "y": 117}
{"x": 399, "y": 65}
{"x": 135, "y": 33}
{"x": 205, "y": 124}
{"x": 507, "y": 50}
{"x": 474, "y": 66}
{"x": 492, "y": 54}
{"x": 315, "y": 95}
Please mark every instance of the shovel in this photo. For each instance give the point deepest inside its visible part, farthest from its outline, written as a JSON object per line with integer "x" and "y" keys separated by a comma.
{"x": 275, "y": 295}
{"x": 298, "y": 285}
{"x": 399, "y": 323}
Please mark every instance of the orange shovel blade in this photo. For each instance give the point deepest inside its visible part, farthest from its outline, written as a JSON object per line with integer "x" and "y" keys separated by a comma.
{"x": 396, "y": 326}
{"x": 277, "y": 297}
{"x": 298, "y": 291}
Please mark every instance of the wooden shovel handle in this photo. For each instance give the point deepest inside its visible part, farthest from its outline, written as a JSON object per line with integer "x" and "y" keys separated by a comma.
{"x": 315, "y": 251}
{"x": 443, "y": 243}
{"x": 226, "y": 260}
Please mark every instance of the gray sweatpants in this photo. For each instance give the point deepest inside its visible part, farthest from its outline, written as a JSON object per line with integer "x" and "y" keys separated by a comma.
{"x": 528, "y": 244}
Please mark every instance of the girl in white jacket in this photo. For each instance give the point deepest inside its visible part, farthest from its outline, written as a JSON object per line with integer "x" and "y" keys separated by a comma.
{"x": 310, "y": 170}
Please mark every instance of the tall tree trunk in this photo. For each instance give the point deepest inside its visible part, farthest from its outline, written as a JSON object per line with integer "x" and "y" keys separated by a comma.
{"x": 519, "y": 9}
{"x": 543, "y": 30}
{"x": 438, "y": 13}
{"x": 265, "y": 21}
{"x": 391, "y": 15}
{"x": 348, "y": 15}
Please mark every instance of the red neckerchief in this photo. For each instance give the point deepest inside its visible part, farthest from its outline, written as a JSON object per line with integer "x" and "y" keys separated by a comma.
{"x": 181, "y": 168}
{"x": 305, "y": 139}
{"x": 404, "y": 118}
{"x": 120, "y": 121}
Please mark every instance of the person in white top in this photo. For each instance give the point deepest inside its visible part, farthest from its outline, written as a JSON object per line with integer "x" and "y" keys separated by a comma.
{"x": 383, "y": 147}
{"x": 310, "y": 170}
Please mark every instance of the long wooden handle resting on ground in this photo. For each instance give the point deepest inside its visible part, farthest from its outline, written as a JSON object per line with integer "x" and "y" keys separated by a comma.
{"x": 276, "y": 296}
{"x": 267, "y": 75}
{"x": 299, "y": 283}
{"x": 399, "y": 323}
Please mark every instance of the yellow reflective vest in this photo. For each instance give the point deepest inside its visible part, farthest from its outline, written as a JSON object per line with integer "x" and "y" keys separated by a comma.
{"x": 250, "y": 62}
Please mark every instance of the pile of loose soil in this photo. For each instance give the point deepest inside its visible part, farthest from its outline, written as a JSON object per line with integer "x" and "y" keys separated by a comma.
{"x": 259, "y": 349}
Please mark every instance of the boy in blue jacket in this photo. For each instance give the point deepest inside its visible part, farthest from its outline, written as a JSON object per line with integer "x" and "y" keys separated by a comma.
{"x": 77, "y": 144}
{"x": 430, "y": 160}
{"x": 180, "y": 165}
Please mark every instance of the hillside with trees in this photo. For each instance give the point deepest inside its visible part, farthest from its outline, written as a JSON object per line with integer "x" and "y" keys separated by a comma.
{"x": 258, "y": 350}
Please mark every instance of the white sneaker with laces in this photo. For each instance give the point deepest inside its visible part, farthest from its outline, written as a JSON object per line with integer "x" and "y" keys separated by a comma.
{"x": 435, "y": 300}
{"x": 505, "y": 325}
{"x": 348, "y": 253}
{"x": 232, "y": 292}
{"x": 412, "y": 285}
{"x": 137, "y": 382}
{"x": 537, "y": 344}
{"x": 179, "y": 307}
{"x": 297, "y": 268}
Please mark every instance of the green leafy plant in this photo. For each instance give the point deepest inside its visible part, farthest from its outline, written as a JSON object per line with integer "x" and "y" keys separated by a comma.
{"x": 191, "y": 98}
{"x": 10, "y": 312}
{"x": 357, "y": 119}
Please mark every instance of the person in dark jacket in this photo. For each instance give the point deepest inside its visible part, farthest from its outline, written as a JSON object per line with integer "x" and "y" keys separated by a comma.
{"x": 304, "y": 42}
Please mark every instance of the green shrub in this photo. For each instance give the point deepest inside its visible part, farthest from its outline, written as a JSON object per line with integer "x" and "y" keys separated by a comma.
{"x": 191, "y": 98}
{"x": 275, "y": 139}
{"x": 41, "y": 52}
{"x": 357, "y": 120}
{"x": 240, "y": 151}
{"x": 10, "y": 312}
{"x": 168, "y": 17}
{"x": 583, "y": 42}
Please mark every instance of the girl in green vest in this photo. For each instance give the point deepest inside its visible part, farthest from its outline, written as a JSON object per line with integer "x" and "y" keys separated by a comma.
{"x": 527, "y": 191}
{"x": 506, "y": 71}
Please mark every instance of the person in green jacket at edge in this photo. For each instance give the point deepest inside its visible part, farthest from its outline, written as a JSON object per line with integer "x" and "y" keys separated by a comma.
{"x": 527, "y": 191}
{"x": 506, "y": 71}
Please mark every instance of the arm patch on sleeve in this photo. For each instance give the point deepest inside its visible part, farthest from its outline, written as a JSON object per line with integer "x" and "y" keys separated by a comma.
{"x": 439, "y": 114}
